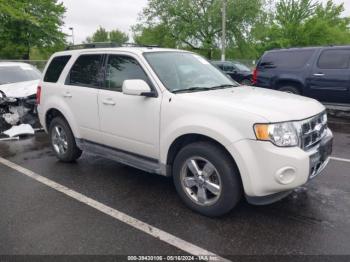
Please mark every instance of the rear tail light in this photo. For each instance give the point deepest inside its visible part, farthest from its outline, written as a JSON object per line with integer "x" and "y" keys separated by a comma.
{"x": 38, "y": 95}
{"x": 255, "y": 76}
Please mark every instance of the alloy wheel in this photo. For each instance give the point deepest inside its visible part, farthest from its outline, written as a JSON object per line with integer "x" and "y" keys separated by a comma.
{"x": 201, "y": 181}
{"x": 59, "y": 140}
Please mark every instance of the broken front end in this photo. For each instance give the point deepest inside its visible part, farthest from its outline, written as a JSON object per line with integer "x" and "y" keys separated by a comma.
{"x": 16, "y": 112}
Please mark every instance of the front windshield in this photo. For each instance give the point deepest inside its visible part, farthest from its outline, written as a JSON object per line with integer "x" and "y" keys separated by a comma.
{"x": 180, "y": 71}
{"x": 14, "y": 74}
{"x": 242, "y": 67}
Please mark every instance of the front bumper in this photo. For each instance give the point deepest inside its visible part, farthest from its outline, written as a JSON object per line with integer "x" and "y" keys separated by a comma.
{"x": 270, "y": 170}
{"x": 320, "y": 154}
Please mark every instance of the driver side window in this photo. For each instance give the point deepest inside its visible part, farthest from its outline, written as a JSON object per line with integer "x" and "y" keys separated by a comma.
{"x": 121, "y": 68}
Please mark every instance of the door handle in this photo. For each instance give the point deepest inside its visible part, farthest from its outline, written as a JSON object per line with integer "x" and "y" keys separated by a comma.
{"x": 67, "y": 95}
{"x": 318, "y": 74}
{"x": 108, "y": 102}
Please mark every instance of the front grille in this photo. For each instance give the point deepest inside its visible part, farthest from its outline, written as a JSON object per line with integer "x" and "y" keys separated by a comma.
{"x": 312, "y": 130}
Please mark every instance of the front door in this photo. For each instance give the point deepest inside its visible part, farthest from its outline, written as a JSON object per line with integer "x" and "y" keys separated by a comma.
{"x": 128, "y": 123}
{"x": 330, "y": 77}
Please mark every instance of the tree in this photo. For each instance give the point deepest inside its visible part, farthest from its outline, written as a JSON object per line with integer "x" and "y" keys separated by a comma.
{"x": 117, "y": 36}
{"x": 154, "y": 35}
{"x": 306, "y": 23}
{"x": 196, "y": 24}
{"x": 326, "y": 27}
{"x": 102, "y": 35}
{"x": 27, "y": 24}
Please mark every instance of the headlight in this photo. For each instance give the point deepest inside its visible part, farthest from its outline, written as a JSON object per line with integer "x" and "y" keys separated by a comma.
{"x": 281, "y": 134}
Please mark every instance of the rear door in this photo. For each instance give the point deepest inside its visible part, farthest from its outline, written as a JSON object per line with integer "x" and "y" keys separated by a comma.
{"x": 82, "y": 85}
{"x": 128, "y": 123}
{"x": 330, "y": 77}
{"x": 284, "y": 65}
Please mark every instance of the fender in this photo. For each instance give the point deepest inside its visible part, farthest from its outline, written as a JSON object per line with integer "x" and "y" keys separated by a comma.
{"x": 224, "y": 133}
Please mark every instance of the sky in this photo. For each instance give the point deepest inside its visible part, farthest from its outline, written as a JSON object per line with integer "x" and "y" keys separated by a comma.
{"x": 85, "y": 16}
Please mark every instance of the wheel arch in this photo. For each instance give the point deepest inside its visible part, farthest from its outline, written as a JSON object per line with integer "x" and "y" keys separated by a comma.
{"x": 189, "y": 138}
{"x": 290, "y": 82}
{"x": 54, "y": 112}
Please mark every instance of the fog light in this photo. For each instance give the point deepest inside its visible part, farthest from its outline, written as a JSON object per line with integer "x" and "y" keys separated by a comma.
{"x": 286, "y": 175}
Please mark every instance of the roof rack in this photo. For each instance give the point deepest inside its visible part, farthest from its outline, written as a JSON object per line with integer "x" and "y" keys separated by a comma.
{"x": 139, "y": 45}
{"x": 106, "y": 45}
{"x": 93, "y": 45}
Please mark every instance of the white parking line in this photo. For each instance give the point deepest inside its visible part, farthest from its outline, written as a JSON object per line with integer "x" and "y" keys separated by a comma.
{"x": 340, "y": 159}
{"x": 131, "y": 221}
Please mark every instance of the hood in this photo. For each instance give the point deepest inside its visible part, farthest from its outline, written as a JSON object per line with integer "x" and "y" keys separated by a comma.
{"x": 20, "y": 89}
{"x": 274, "y": 106}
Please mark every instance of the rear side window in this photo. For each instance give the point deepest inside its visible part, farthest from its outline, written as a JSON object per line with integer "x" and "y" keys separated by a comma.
{"x": 334, "y": 59}
{"x": 229, "y": 68}
{"x": 286, "y": 59}
{"x": 86, "y": 71}
{"x": 121, "y": 68}
{"x": 55, "y": 68}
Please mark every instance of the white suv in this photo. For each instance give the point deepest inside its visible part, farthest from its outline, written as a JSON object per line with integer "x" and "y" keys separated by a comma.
{"x": 172, "y": 113}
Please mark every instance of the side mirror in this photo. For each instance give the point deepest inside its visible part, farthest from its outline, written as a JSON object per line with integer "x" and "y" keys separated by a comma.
{"x": 136, "y": 87}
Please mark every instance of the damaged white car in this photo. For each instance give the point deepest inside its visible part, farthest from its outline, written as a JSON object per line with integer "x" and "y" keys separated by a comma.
{"x": 18, "y": 85}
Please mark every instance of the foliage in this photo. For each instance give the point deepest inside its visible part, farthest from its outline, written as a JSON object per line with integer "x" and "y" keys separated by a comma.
{"x": 32, "y": 28}
{"x": 305, "y": 23}
{"x": 154, "y": 35}
{"x": 102, "y": 35}
{"x": 118, "y": 37}
{"x": 197, "y": 24}
{"x": 252, "y": 26}
{"x": 194, "y": 23}
{"x": 27, "y": 24}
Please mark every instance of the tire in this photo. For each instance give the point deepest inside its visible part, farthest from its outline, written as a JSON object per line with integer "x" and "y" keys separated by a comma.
{"x": 290, "y": 89}
{"x": 63, "y": 141}
{"x": 225, "y": 176}
{"x": 246, "y": 82}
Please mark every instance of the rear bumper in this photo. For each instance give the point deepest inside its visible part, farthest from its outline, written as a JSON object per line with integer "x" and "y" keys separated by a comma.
{"x": 269, "y": 171}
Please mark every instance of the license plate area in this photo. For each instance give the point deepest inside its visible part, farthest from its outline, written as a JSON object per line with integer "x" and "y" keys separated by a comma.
{"x": 319, "y": 159}
{"x": 326, "y": 149}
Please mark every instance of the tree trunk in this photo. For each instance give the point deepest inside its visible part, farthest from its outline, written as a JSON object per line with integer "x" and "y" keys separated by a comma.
{"x": 26, "y": 55}
{"x": 209, "y": 53}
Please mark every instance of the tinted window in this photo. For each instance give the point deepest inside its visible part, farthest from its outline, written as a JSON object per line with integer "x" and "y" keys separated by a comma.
{"x": 20, "y": 73}
{"x": 229, "y": 68}
{"x": 55, "y": 68}
{"x": 120, "y": 68}
{"x": 87, "y": 71}
{"x": 221, "y": 66}
{"x": 286, "y": 59}
{"x": 334, "y": 59}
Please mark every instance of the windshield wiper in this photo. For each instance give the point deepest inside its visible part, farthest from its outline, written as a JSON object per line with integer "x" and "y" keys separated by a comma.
{"x": 201, "y": 88}
{"x": 222, "y": 86}
{"x": 191, "y": 89}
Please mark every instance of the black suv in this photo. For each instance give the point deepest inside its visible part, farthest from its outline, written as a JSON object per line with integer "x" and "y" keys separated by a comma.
{"x": 237, "y": 71}
{"x": 322, "y": 73}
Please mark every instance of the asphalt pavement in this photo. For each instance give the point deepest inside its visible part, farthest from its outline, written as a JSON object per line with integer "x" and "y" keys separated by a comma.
{"x": 37, "y": 219}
